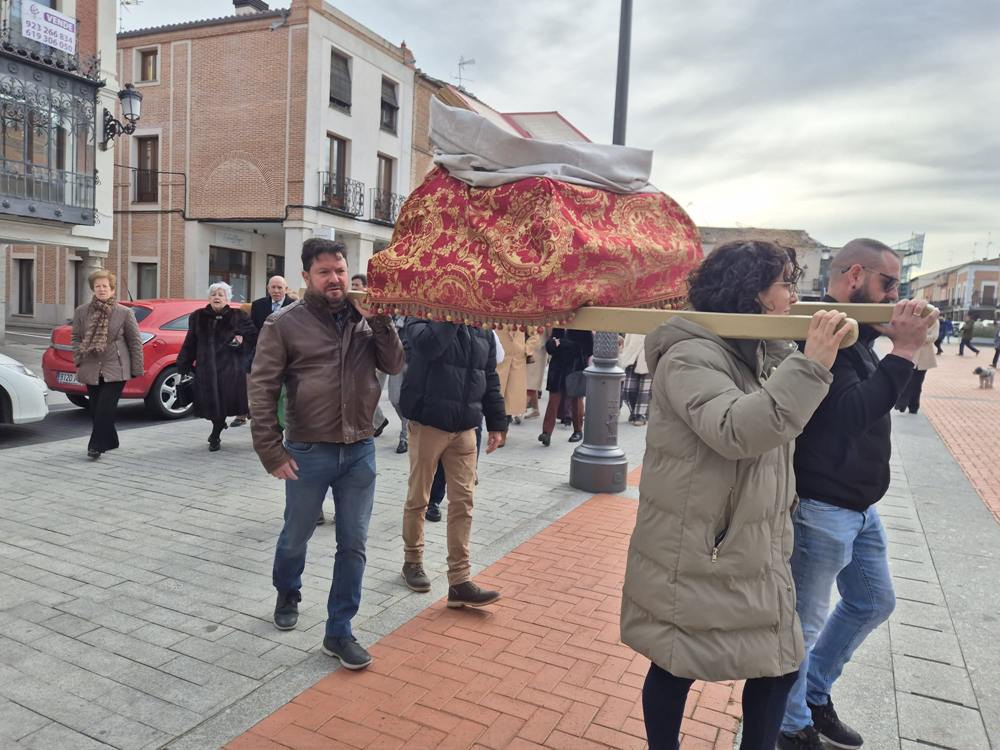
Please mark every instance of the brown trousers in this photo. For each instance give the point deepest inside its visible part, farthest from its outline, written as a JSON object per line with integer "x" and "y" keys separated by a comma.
{"x": 552, "y": 412}
{"x": 457, "y": 452}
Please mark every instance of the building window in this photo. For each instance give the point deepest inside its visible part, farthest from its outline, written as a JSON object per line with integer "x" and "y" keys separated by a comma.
{"x": 146, "y": 281}
{"x": 989, "y": 294}
{"x": 275, "y": 265}
{"x": 233, "y": 267}
{"x": 382, "y": 203}
{"x": 78, "y": 282}
{"x": 390, "y": 106}
{"x": 340, "y": 82}
{"x": 148, "y": 65}
{"x": 147, "y": 175}
{"x": 335, "y": 177}
{"x": 25, "y": 286}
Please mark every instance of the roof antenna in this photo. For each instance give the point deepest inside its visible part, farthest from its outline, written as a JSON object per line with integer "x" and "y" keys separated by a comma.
{"x": 124, "y": 6}
{"x": 462, "y": 62}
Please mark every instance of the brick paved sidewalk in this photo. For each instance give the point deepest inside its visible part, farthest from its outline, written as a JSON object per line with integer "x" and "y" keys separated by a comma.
{"x": 967, "y": 419}
{"x": 543, "y": 669}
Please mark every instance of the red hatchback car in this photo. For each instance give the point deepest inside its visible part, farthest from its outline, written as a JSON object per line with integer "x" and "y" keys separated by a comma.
{"x": 163, "y": 324}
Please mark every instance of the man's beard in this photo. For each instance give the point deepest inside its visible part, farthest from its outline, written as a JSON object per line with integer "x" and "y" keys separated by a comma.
{"x": 334, "y": 304}
{"x": 860, "y": 296}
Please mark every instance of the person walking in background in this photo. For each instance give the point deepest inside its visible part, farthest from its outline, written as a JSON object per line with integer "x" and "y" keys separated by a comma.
{"x": 395, "y": 387}
{"x": 708, "y": 589}
{"x": 924, "y": 360}
{"x": 536, "y": 360}
{"x": 359, "y": 283}
{"x": 513, "y": 372}
{"x": 968, "y": 330}
{"x": 451, "y": 383}
{"x": 637, "y": 383}
{"x": 214, "y": 350}
{"x": 276, "y": 298}
{"x": 944, "y": 331}
{"x": 571, "y": 350}
{"x": 325, "y": 349}
{"x": 996, "y": 343}
{"x": 841, "y": 472}
{"x": 107, "y": 351}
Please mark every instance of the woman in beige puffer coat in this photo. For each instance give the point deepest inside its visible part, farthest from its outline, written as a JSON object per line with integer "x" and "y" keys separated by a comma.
{"x": 708, "y": 590}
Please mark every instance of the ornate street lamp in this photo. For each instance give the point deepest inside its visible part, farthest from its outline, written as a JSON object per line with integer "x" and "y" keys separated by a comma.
{"x": 131, "y": 101}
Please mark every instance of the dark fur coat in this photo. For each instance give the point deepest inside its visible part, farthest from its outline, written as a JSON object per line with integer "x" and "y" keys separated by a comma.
{"x": 220, "y": 373}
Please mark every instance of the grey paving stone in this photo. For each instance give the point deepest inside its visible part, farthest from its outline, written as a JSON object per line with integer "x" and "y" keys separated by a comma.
{"x": 926, "y": 644}
{"x": 929, "y": 616}
{"x": 57, "y": 737}
{"x": 935, "y": 722}
{"x": 918, "y": 591}
{"x": 17, "y": 722}
{"x": 933, "y": 680}
{"x": 130, "y": 648}
{"x": 874, "y": 716}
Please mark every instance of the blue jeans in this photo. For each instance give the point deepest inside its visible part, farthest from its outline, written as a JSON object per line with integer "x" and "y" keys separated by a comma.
{"x": 349, "y": 470}
{"x": 847, "y": 547}
{"x": 440, "y": 484}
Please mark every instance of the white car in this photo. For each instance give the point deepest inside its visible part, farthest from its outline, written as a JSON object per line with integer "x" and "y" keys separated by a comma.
{"x": 22, "y": 393}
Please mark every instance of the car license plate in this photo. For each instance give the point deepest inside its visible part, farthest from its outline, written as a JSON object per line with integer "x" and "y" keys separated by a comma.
{"x": 67, "y": 377}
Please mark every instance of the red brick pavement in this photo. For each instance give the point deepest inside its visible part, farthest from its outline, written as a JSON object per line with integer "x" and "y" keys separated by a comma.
{"x": 967, "y": 419}
{"x": 544, "y": 668}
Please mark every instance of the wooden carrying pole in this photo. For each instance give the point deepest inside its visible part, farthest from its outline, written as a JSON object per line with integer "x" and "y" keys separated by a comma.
{"x": 728, "y": 325}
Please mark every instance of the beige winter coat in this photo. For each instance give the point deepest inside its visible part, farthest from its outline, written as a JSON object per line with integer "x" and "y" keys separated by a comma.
{"x": 513, "y": 371}
{"x": 708, "y": 589}
{"x": 925, "y": 358}
{"x": 536, "y": 369}
{"x": 633, "y": 352}
{"x": 120, "y": 360}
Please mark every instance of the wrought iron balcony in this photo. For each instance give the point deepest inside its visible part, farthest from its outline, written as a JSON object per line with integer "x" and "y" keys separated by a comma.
{"x": 147, "y": 186}
{"x": 47, "y": 126}
{"x": 385, "y": 206}
{"x": 341, "y": 194}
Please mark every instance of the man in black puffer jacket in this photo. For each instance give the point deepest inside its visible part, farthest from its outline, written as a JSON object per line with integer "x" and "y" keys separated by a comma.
{"x": 450, "y": 384}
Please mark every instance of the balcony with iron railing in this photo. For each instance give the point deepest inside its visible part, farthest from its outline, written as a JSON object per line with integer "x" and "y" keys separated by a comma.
{"x": 341, "y": 194}
{"x": 385, "y": 206}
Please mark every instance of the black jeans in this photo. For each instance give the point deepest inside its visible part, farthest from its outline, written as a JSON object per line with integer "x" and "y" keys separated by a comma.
{"x": 961, "y": 347}
{"x": 439, "y": 485}
{"x": 910, "y": 397}
{"x": 663, "y": 697}
{"x": 996, "y": 356}
{"x": 103, "y": 405}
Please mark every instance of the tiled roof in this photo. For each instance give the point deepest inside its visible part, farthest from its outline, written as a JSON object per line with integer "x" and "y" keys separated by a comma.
{"x": 276, "y": 13}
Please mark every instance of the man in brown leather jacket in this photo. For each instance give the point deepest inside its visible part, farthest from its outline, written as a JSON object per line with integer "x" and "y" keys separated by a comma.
{"x": 325, "y": 351}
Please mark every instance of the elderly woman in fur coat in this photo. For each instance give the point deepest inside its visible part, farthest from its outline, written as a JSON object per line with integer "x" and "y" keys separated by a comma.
{"x": 215, "y": 351}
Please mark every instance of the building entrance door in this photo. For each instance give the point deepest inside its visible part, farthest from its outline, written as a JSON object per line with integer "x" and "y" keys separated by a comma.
{"x": 233, "y": 267}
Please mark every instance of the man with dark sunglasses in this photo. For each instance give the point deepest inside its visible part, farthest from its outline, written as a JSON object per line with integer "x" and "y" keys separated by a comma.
{"x": 841, "y": 471}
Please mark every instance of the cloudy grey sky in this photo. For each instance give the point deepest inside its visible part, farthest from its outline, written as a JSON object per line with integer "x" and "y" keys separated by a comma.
{"x": 843, "y": 117}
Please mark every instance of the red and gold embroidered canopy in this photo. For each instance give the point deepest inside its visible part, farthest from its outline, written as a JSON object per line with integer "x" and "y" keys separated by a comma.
{"x": 531, "y": 252}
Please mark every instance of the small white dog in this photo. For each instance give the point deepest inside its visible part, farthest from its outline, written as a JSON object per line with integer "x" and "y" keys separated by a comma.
{"x": 986, "y": 375}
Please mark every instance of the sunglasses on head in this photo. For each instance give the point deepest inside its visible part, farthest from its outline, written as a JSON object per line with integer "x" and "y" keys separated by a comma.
{"x": 888, "y": 282}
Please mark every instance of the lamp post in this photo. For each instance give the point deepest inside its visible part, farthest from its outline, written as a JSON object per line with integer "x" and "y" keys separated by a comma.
{"x": 598, "y": 463}
{"x": 131, "y": 101}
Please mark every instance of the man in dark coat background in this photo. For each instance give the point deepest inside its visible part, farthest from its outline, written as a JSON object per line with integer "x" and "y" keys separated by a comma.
{"x": 277, "y": 298}
{"x": 450, "y": 384}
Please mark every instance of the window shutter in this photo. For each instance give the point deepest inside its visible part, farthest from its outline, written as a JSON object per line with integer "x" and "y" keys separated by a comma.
{"x": 389, "y": 93}
{"x": 340, "y": 80}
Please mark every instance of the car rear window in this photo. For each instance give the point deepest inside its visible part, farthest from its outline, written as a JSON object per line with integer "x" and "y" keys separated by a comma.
{"x": 141, "y": 313}
{"x": 177, "y": 324}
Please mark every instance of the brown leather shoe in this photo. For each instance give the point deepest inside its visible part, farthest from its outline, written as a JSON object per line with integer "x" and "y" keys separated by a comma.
{"x": 415, "y": 577}
{"x": 469, "y": 594}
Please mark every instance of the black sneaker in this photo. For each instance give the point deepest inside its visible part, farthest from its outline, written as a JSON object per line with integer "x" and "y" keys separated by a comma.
{"x": 378, "y": 433}
{"x": 403, "y": 446}
{"x": 804, "y": 739}
{"x": 433, "y": 513}
{"x": 832, "y": 729}
{"x": 469, "y": 594}
{"x": 545, "y": 439}
{"x": 352, "y": 654}
{"x": 286, "y": 610}
{"x": 576, "y": 437}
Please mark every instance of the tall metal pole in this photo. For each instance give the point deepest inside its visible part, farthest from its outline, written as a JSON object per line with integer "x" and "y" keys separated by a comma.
{"x": 598, "y": 463}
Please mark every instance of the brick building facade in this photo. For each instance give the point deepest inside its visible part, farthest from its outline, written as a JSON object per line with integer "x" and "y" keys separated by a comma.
{"x": 259, "y": 130}
{"x": 959, "y": 290}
